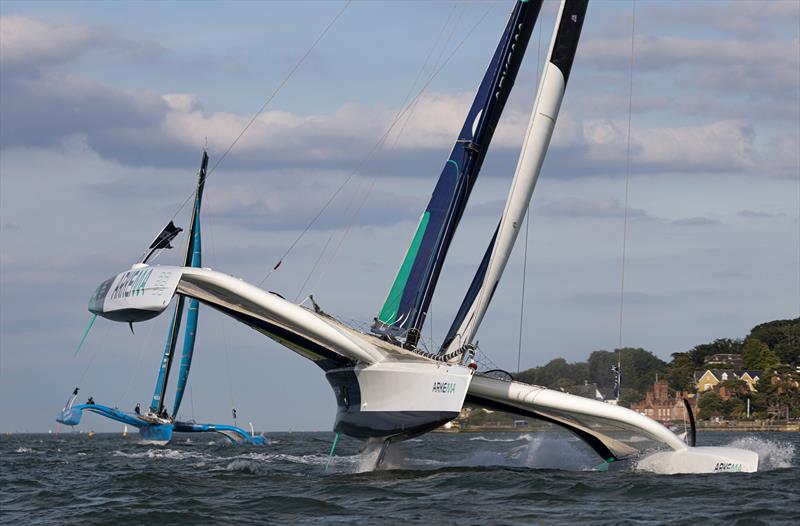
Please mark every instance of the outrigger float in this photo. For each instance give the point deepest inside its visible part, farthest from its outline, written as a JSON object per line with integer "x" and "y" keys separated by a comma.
{"x": 387, "y": 386}
{"x": 155, "y": 425}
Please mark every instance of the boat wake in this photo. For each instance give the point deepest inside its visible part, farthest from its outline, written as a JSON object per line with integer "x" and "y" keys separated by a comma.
{"x": 169, "y": 454}
{"x": 535, "y": 453}
{"x": 547, "y": 452}
{"x": 772, "y": 454}
{"x": 486, "y": 439}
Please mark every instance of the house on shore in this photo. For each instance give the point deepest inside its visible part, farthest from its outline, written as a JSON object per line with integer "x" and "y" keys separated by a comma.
{"x": 710, "y": 378}
{"x": 662, "y": 406}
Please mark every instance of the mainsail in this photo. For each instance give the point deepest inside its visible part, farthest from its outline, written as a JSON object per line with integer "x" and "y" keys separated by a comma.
{"x": 540, "y": 129}
{"x": 191, "y": 259}
{"x": 406, "y": 306}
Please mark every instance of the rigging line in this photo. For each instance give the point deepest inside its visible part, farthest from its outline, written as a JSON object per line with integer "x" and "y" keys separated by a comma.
{"x": 374, "y": 148}
{"x": 433, "y": 65}
{"x": 269, "y": 99}
{"x": 409, "y": 110}
{"x": 191, "y": 396}
{"x": 528, "y": 221}
{"x": 430, "y": 321}
{"x": 450, "y": 36}
{"x": 314, "y": 267}
{"x": 396, "y": 139}
{"x": 228, "y": 367}
{"x": 796, "y": 330}
{"x": 214, "y": 259}
{"x": 627, "y": 180}
{"x": 93, "y": 354}
{"x": 522, "y": 298}
{"x": 135, "y": 370}
{"x": 281, "y": 85}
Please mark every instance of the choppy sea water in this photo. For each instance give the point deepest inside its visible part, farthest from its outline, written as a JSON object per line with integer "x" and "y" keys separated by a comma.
{"x": 497, "y": 478}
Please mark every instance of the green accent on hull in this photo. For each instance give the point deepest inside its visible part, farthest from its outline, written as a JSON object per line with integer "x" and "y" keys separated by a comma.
{"x": 389, "y": 311}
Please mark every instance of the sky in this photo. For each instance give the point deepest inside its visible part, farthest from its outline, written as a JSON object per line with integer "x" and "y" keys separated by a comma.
{"x": 105, "y": 109}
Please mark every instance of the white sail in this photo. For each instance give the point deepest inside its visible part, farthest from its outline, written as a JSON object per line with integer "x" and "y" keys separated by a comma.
{"x": 537, "y": 139}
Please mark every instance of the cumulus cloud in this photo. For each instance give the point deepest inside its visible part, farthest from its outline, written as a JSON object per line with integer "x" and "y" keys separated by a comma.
{"x": 724, "y": 65}
{"x": 600, "y": 146}
{"x": 743, "y": 18}
{"x": 47, "y": 107}
{"x": 30, "y": 43}
{"x": 293, "y": 200}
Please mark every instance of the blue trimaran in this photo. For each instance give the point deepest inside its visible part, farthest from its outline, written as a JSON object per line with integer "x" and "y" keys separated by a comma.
{"x": 155, "y": 425}
{"x": 387, "y": 387}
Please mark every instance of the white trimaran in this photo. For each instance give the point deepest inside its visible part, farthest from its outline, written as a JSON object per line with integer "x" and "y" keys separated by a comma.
{"x": 388, "y": 389}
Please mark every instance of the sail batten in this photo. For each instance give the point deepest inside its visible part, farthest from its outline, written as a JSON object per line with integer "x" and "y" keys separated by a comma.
{"x": 409, "y": 297}
{"x": 549, "y": 95}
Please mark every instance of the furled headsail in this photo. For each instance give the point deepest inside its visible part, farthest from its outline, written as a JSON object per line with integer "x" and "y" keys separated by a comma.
{"x": 405, "y": 308}
{"x": 540, "y": 129}
{"x": 191, "y": 259}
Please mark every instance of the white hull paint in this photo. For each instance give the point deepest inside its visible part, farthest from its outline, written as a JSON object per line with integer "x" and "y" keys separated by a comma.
{"x": 700, "y": 460}
{"x": 597, "y": 418}
{"x": 138, "y": 294}
{"x": 403, "y": 386}
{"x": 550, "y": 402}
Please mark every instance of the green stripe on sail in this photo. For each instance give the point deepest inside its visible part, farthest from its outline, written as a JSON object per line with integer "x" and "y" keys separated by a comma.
{"x": 389, "y": 312}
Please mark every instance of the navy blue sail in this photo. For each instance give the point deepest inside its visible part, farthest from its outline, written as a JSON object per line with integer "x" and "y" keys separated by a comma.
{"x": 192, "y": 259}
{"x": 406, "y": 306}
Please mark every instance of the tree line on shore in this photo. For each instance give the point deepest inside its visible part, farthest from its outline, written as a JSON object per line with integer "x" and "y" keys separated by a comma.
{"x": 773, "y": 348}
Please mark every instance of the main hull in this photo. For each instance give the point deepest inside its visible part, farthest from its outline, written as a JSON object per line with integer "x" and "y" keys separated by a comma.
{"x": 397, "y": 400}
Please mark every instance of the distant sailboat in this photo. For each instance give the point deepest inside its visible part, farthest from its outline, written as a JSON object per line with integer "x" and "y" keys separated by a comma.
{"x": 156, "y": 426}
{"x": 125, "y": 430}
{"x": 387, "y": 388}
